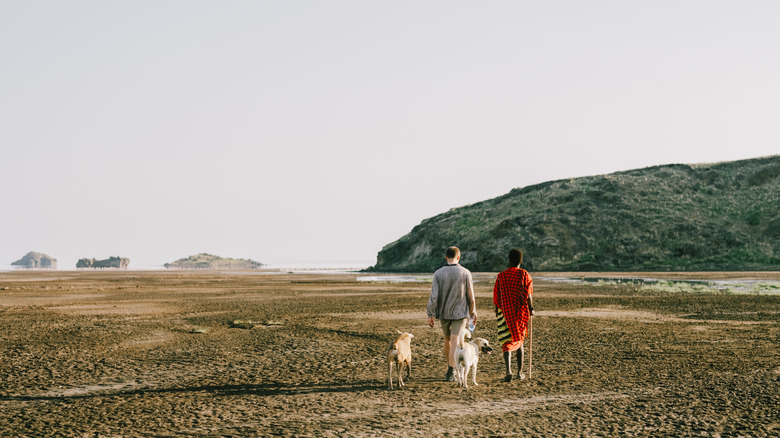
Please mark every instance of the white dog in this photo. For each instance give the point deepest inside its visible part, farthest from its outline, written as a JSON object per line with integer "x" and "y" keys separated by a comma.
{"x": 400, "y": 353}
{"x": 467, "y": 357}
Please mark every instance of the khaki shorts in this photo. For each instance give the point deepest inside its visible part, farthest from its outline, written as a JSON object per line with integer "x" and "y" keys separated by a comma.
{"x": 448, "y": 326}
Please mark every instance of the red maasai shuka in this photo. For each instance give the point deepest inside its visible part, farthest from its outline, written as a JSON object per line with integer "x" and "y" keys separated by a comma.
{"x": 510, "y": 294}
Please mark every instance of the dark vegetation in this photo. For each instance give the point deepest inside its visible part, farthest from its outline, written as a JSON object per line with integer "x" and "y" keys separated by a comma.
{"x": 723, "y": 216}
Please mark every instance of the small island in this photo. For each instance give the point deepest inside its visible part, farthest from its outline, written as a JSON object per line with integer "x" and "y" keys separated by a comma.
{"x": 36, "y": 260}
{"x": 111, "y": 262}
{"x": 209, "y": 261}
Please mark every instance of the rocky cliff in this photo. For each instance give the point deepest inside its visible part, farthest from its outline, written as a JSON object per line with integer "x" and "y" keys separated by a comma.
{"x": 723, "y": 216}
{"x": 209, "y": 261}
{"x": 36, "y": 260}
{"x": 111, "y": 262}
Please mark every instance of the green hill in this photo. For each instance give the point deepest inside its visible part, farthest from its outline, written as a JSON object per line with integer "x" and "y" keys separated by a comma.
{"x": 723, "y": 216}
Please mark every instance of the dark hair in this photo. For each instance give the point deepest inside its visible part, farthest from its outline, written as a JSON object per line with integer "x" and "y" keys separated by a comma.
{"x": 515, "y": 258}
{"x": 452, "y": 252}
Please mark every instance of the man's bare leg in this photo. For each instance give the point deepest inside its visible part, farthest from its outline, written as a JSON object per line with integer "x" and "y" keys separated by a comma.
{"x": 453, "y": 345}
{"x": 450, "y": 344}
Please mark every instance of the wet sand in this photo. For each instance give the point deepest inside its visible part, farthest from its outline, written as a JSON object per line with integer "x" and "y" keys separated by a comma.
{"x": 126, "y": 353}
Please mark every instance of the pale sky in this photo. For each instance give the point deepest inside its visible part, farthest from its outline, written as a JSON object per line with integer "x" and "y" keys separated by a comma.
{"x": 313, "y": 132}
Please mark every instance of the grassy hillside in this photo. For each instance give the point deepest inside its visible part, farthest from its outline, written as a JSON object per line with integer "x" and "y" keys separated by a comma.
{"x": 723, "y": 216}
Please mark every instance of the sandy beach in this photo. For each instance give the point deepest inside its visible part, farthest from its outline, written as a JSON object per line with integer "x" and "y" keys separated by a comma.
{"x": 135, "y": 353}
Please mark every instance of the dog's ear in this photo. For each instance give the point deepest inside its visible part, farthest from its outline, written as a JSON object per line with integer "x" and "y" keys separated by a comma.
{"x": 399, "y": 331}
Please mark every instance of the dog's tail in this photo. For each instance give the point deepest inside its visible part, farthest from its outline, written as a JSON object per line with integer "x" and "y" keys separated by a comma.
{"x": 461, "y": 338}
{"x": 401, "y": 336}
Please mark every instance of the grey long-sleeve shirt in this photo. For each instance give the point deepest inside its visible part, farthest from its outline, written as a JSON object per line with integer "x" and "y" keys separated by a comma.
{"x": 452, "y": 293}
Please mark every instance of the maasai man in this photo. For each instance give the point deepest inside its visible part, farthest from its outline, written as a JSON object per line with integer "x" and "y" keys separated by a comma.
{"x": 512, "y": 296}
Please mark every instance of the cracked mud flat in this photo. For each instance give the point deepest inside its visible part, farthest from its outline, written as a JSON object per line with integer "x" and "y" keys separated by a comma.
{"x": 154, "y": 354}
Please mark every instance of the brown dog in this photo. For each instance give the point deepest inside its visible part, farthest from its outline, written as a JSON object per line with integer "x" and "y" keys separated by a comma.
{"x": 400, "y": 353}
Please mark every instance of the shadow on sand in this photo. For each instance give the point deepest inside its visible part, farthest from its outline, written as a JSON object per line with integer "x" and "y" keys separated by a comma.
{"x": 262, "y": 389}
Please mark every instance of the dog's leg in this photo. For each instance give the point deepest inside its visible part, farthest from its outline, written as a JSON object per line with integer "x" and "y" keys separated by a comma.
{"x": 408, "y": 369}
{"x": 400, "y": 367}
{"x": 390, "y": 374}
{"x": 475, "y": 374}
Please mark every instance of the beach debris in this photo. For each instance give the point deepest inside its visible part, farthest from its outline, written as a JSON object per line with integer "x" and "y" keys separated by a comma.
{"x": 247, "y": 324}
{"x": 243, "y": 323}
{"x": 199, "y": 330}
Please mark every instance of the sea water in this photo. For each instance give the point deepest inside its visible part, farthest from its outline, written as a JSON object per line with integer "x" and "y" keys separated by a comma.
{"x": 736, "y": 286}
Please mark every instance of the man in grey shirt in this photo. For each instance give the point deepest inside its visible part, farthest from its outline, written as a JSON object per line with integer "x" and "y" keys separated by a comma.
{"x": 452, "y": 302}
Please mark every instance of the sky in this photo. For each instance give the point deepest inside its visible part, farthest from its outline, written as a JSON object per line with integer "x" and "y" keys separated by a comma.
{"x": 317, "y": 132}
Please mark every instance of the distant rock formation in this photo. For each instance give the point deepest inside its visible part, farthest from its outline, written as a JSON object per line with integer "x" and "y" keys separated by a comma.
{"x": 36, "y": 260}
{"x": 111, "y": 262}
{"x": 208, "y": 261}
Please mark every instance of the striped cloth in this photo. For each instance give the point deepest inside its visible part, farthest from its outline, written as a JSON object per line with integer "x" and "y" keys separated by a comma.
{"x": 504, "y": 335}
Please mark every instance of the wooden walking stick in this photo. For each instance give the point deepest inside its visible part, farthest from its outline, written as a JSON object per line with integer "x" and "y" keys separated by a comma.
{"x": 530, "y": 344}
